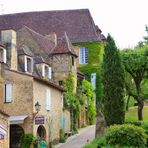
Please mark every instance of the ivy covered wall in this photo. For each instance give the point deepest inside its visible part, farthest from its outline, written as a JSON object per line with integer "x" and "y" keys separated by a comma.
{"x": 95, "y": 56}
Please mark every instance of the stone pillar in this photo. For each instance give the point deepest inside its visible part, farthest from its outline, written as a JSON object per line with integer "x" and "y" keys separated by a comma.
{"x": 100, "y": 122}
{"x": 8, "y": 37}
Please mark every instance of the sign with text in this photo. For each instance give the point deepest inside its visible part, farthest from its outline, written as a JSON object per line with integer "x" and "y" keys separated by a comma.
{"x": 39, "y": 120}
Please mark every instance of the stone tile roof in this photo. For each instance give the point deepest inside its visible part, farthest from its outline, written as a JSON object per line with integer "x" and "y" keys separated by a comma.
{"x": 103, "y": 38}
{"x": 25, "y": 51}
{"x": 1, "y": 44}
{"x": 64, "y": 46}
{"x": 78, "y": 24}
{"x": 44, "y": 43}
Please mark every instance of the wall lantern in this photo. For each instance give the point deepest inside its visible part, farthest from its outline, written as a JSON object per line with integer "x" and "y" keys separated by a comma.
{"x": 37, "y": 106}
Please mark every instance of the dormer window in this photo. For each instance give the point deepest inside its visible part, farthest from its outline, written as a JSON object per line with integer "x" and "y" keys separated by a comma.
{"x": 46, "y": 71}
{"x": 28, "y": 64}
{"x": 3, "y": 55}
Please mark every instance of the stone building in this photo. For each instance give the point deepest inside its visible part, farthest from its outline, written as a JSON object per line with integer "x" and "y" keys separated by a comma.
{"x": 58, "y": 39}
{"x": 26, "y": 80}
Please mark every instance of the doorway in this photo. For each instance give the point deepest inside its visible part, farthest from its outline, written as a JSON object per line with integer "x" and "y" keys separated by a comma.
{"x": 16, "y": 133}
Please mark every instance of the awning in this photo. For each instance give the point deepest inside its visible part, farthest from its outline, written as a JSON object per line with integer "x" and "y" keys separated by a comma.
{"x": 17, "y": 119}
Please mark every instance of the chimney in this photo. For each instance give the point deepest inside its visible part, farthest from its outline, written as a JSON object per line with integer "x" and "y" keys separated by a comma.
{"x": 1, "y": 82}
{"x": 52, "y": 37}
{"x": 8, "y": 37}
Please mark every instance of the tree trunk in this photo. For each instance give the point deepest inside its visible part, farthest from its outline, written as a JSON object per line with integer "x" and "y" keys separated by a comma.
{"x": 140, "y": 108}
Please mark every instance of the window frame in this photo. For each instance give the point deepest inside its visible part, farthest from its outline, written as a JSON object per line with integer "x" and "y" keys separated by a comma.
{"x": 83, "y": 55}
{"x": 8, "y": 100}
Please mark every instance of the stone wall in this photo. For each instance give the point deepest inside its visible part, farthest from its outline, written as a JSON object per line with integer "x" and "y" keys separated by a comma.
{"x": 52, "y": 117}
{"x": 4, "y": 128}
{"x": 9, "y": 39}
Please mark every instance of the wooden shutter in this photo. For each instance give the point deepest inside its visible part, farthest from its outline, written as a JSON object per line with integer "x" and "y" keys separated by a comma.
{"x": 49, "y": 72}
{"x": 43, "y": 71}
{"x": 48, "y": 99}
{"x": 5, "y": 56}
{"x": 8, "y": 92}
{"x": 25, "y": 64}
{"x": 86, "y": 55}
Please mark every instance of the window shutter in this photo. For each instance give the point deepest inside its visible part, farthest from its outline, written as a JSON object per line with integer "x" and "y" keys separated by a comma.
{"x": 86, "y": 55}
{"x": 8, "y": 90}
{"x": 48, "y": 100}
{"x": 5, "y": 56}
{"x": 43, "y": 70}
{"x": 49, "y": 72}
{"x": 25, "y": 64}
{"x": 81, "y": 55}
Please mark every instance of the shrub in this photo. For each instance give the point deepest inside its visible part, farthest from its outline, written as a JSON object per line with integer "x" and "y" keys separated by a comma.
{"x": 99, "y": 142}
{"x": 126, "y": 135}
{"x": 27, "y": 139}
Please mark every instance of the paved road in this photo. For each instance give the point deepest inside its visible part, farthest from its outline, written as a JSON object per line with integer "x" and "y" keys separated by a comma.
{"x": 84, "y": 136}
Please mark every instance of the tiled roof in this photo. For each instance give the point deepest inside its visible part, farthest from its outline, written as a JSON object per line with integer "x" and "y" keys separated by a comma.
{"x": 25, "y": 51}
{"x": 64, "y": 46}
{"x": 78, "y": 24}
{"x": 103, "y": 38}
{"x": 41, "y": 40}
{"x": 39, "y": 60}
{"x": 1, "y": 44}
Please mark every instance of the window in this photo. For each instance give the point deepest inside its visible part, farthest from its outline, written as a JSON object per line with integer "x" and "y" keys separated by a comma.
{"x": 8, "y": 93}
{"x": 72, "y": 60}
{"x": 46, "y": 71}
{"x": 3, "y": 55}
{"x": 28, "y": 64}
{"x": 83, "y": 55}
{"x": 48, "y": 100}
{"x": 60, "y": 82}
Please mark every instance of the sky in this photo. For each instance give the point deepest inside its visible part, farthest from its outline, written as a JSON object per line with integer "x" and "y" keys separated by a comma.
{"x": 125, "y": 20}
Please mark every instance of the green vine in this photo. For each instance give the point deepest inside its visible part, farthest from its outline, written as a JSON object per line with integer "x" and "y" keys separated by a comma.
{"x": 95, "y": 57}
{"x": 70, "y": 101}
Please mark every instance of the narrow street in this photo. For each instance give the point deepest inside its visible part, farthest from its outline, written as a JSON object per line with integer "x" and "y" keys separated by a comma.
{"x": 84, "y": 136}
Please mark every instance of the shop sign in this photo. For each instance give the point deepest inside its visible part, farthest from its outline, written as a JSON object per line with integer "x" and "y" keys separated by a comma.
{"x": 39, "y": 120}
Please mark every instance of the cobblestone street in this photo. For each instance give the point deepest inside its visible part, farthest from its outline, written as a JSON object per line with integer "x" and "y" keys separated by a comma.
{"x": 84, "y": 136}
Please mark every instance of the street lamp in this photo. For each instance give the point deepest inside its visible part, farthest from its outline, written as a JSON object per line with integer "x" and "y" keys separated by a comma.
{"x": 37, "y": 107}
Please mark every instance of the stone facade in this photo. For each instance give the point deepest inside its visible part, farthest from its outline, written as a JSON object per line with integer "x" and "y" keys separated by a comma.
{"x": 27, "y": 90}
{"x": 4, "y": 130}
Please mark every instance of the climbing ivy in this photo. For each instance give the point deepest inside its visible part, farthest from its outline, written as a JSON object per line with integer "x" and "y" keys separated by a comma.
{"x": 87, "y": 90}
{"x": 95, "y": 57}
{"x": 70, "y": 101}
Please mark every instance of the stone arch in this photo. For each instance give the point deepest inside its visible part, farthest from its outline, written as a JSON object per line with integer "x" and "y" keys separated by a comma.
{"x": 41, "y": 132}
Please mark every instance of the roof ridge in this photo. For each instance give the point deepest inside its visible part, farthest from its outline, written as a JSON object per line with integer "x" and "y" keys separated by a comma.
{"x": 15, "y": 13}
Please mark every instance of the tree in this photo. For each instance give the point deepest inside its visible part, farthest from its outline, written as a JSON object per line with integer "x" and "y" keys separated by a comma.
{"x": 136, "y": 66}
{"x": 146, "y": 37}
{"x": 113, "y": 84}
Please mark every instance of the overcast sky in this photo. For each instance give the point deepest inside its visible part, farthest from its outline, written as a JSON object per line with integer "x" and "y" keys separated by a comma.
{"x": 125, "y": 20}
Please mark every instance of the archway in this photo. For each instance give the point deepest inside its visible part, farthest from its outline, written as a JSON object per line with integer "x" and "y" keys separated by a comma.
{"x": 16, "y": 133}
{"x": 41, "y": 132}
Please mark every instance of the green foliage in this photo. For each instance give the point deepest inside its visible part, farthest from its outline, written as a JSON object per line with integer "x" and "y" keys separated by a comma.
{"x": 131, "y": 115}
{"x": 70, "y": 100}
{"x": 136, "y": 65}
{"x": 27, "y": 139}
{"x": 126, "y": 135}
{"x": 95, "y": 56}
{"x": 99, "y": 142}
{"x": 62, "y": 136}
{"x": 88, "y": 96}
{"x": 113, "y": 84}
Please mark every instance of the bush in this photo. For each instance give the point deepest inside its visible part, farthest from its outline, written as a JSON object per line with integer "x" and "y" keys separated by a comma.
{"x": 126, "y": 135}
{"x": 27, "y": 139}
{"x": 99, "y": 142}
